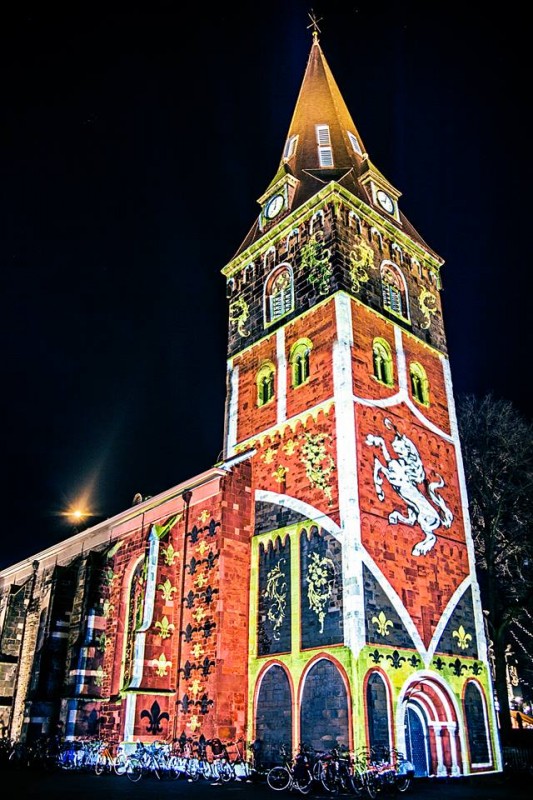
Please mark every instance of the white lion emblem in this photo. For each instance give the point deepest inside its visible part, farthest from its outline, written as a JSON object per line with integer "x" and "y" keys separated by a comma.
{"x": 405, "y": 473}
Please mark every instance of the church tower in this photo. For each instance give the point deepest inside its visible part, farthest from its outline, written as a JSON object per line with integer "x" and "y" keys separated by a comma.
{"x": 366, "y": 627}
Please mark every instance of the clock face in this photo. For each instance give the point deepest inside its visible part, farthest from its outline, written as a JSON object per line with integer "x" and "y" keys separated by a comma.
{"x": 385, "y": 201}
{"x": 274, "y": 206}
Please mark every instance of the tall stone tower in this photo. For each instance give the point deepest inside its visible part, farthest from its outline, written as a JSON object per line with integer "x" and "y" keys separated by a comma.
{"x": 318, "y": 583}
{"x": 365, "y": 621}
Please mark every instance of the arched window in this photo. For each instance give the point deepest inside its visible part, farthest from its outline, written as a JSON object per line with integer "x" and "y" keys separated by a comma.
{"x": 378, "y": 714}
{"x": 476, "y": 725}
{"x": 382, "y": 361}
{"x": 265, "y": 383}
{"x": 248, "y": 272}
{"x": 396, "y": 253}
{"x": 324, "y": 708}
{"x": 354, "y": 221}
{"x": 278, "y": 293}
{"x": 293, "y": 240}
{"x": 393, "y": 290}
{"x": 419, "y": 383}
{"x": 299, "y": 360}
{"x": 317, "y": 221}
{"x": 376, "y": 236}
{"x": 230, "y": 287}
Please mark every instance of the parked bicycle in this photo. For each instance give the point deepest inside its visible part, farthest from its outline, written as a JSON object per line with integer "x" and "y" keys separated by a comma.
{"x": 151, "y": 759}
{"x": 110, "y": 759}
{"x": 294, "y": 773}
{"x": 334, "y": 770}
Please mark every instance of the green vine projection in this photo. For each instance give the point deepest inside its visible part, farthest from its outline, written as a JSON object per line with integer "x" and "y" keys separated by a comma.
{"x": 320, "y": 576}
{"x": 109, "y": 576}
{"x": 276, "y": 593}
{"x": 318, "y": 463}
{"x": 428, "y": 305}
{"x": 316, "y": 260}
{"x": 239, "y": 314}
{"x": 361, "y": 256}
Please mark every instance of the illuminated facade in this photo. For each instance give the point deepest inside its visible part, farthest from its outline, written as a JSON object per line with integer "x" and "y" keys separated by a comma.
{"x": 318, "y": 583}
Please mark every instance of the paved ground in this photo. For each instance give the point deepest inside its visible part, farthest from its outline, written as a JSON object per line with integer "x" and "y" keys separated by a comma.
{"x": 30, "y": 784}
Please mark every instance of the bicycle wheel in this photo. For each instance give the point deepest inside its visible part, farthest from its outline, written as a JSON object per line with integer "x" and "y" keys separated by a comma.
{"x": 304, "y": 784}
{"x": 278, "y": 778}
{"x": 120, "y": 764}
{"x": 328, "y": 780}
{"x": 193, "y": 769}
{"x": 371, "y": 785}
{"x": 403, "y": 782}
{"x": 173, "y": 768}
{"x": 134, "y": 769}
{"x": 100, "y": 765}
{"x": 357, "y": 786}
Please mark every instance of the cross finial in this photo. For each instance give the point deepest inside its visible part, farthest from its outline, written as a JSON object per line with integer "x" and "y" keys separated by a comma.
{"x": 314, "y": 24}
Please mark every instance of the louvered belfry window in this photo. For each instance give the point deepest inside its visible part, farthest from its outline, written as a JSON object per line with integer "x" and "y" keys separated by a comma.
{"x": 279, "y": 295}
{"x": 325, "y": 152}
{"x": 393, "y": 291}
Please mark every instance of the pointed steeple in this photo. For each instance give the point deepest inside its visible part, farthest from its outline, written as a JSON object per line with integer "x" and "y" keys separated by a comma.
{"x": 324, "y": 145}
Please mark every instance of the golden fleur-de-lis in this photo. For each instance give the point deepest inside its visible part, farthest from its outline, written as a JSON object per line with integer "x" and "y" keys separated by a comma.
{"x": 165, "y": 628}
{"x": 161, "y": 665}
{"x": 382, "y": 624}
{"x": 197, "y": 650}
{"x": 280, "y": 474}
{"x": 202, "y": 547}
{"x": 194, "y": 723}
{"x": 268, "y": 457}
{"x": 463, "y": 638}
{"x": 204, "y": 516}
{"x": 199, "y": 614}
{"x": 201, "y": 580}
{"x": 99, "y": 676}
{"x": 196, "y": 687}
{"x": 290, "y": 447}
{"x": 170, "y": 555}
{"x": 167, "y": 589}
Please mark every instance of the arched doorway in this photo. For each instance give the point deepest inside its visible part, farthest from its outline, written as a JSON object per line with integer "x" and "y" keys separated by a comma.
{"x": 417, "y": 740}
{"x": 428, "y": 728}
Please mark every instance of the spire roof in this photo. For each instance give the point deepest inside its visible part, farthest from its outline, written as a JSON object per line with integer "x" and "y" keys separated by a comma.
{"x": 324, "y": 145}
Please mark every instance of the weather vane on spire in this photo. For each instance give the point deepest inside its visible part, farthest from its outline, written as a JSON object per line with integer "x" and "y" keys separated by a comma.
{"x": 314, "y": 24}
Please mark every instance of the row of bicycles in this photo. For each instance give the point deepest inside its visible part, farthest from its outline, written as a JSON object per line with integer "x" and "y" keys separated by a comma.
{"x": 211, "y": 759}
{"x": 364, "y": 773}
{"x": 207, "y": 759}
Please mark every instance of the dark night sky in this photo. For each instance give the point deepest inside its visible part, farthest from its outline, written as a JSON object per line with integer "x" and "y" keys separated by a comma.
{"x": 133, "y": 148}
